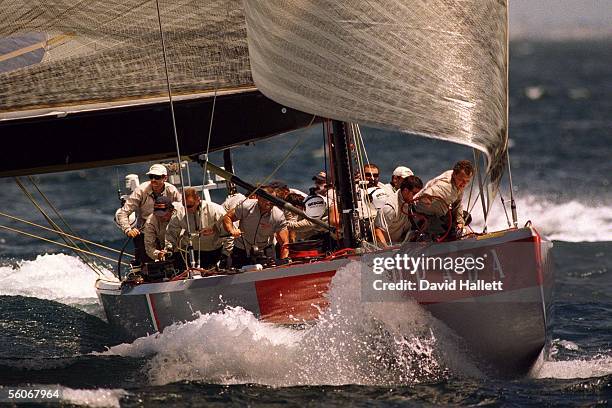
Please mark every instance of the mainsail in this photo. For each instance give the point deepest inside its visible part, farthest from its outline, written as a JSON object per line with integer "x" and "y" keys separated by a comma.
{"x": 82, "y": 83}
{"x": 435, "y": 68}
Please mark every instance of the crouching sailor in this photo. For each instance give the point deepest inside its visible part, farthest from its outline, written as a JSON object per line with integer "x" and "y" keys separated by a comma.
{"x": 394, "y": 220}
{"x": 440, "y": 196}
{"x": 198, "y": 224}
{"x": 259, "y": 223}
{"x": 142, "y": 201}
{"x": 155, "y": 228}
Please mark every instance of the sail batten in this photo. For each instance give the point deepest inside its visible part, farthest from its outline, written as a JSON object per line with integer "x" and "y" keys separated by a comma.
{"x": 435, "y": 68}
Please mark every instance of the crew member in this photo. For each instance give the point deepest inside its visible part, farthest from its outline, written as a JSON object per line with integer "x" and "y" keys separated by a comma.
{"x": 155, "y": 228}
{"x": 399, "y": 174}
{"x": 142, "y": 201}
{"x": 200, "y": 227}
{"x": 259, "y": 222}
{"x": 394, "y": 220}
{"x": 441, "y": 195}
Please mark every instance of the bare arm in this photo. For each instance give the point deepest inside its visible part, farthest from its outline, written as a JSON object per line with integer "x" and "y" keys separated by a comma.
{"x": 380, "y": 236}
{"x": 282, "y": 237}
{"x": 228, "y": 223}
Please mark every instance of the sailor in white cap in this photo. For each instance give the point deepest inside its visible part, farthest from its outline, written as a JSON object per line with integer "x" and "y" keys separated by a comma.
{"x": 399, "y": 174}
{"x": 142, "y": 201}
{"x": 394, "y": 219}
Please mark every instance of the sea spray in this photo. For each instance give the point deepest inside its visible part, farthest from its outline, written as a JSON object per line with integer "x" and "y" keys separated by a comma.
{"x": 594, "y": 366}
{"x": 58, "y": 277}
{"x": 352, "y": 343}
{"x": 571, "y": 221}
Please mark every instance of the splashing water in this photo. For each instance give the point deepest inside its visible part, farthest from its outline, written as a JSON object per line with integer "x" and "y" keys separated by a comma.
{"x": 353, "y": 343}
{"x": 596, "y": 366}
{"x": 59, "y": 277}
{"x": 100, "y": 397}
{"x": 571, "y": 221}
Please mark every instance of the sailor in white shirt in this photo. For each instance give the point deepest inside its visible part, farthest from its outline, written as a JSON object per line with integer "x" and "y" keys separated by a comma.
{"x": 394, "y": 219}
{"x": 442, "y": 195}
{"x": 142, "y": 202}
{"x": 201, "y": 219}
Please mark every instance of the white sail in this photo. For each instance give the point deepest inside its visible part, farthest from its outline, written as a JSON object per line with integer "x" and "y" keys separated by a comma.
{"x": 435, "y": 68}
{"x": 101, "y": 54}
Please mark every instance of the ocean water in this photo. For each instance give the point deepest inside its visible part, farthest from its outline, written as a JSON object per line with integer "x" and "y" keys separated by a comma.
{"x": 54, "y": 331}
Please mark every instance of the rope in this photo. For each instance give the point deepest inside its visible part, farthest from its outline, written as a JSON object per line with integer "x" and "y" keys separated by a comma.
{"x": 365, "y": 198}
{"x": 68, "y": 241}
{"x": 170, "y": 100}
{"x": 60, "y": 244}
{"x": 61, "y": 233}
{"x": 56, "y": 211}
{"x": 212, "y": 116}
{"x": 504, "y": 207}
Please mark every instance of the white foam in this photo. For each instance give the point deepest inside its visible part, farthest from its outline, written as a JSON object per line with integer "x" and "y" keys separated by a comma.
{"x": 100, "y": 397}
{"x": 58, "y": 277}
{"x": 596, "y": 366}
{"x": 571, "y": 221}
{"x": 353, "y": 343}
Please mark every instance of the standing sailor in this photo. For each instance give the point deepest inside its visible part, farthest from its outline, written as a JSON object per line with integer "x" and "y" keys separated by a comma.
{"x": 142, "y": 201}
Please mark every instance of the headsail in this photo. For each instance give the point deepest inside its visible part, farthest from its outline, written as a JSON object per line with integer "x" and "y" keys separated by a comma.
{"x": 82, "y": 83}
{"x": 434, "y": 68}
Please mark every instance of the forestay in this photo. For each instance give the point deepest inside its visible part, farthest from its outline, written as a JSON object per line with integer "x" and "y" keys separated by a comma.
{"x": 435, "y": 68}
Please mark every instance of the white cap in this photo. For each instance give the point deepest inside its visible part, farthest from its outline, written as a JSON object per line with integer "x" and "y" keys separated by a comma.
{"x": 402, "y": 171}
{"x": 158, "y": 170}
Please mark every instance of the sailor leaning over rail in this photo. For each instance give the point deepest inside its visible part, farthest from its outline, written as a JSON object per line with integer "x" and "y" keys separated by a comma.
{"x": 442, "y": 194}
{"x": 204, "y": 218}
{"x": 142, "y": 201}
{"x": 394, "y": 219}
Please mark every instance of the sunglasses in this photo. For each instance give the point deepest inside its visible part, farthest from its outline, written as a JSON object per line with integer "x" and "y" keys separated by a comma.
{"x": 373, "y": 175}
{"x": 155, "y": 177}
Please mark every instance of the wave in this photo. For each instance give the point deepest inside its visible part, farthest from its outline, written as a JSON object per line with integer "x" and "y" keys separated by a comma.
{"x": 100, "y": 397}
{"x": 596, "y": 366}
{"x": 59, "y": 277}
{"x": 572, "y": 221}
{"x": 353, "y": 343}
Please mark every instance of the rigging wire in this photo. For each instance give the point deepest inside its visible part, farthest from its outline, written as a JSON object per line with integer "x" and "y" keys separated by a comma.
{"x": 512, "y": 202}
{"x": 171, "y": 101}
{"x": 365, "y": 199}
{"x": 61, "y": 233}
{"x": 68, "y": 241}
{"x": 56, "y": 211}
{"x": 173, "y": 117}
{"x": 505, "y": 210}
{"x": 481, "y": 190}
{"x": 62, "y": 245}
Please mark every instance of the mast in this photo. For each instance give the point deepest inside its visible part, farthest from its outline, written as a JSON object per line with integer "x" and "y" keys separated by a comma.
{"x": 229, "y": 166}
{"x": 345, "y": 188}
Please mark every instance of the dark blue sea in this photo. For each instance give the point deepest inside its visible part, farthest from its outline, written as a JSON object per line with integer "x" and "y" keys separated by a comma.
{"x": 53, "y": 331}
